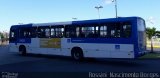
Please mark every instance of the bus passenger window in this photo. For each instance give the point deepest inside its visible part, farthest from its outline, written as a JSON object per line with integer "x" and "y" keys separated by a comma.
{"x": 103, "y": 31}
{"x": 126, "y": 31}
{"x": 67, "y": 31}
{"x": 115, "y": 30}
{"x": 34, "y": 32}
{"x": 47, "y": 32}
{"x": 112, "y": 33}
{"x": 78, "y": 31}
{"x": 59, "y": 32}
{"x": 12, "y": 34}
{"x": 25, "y": 32}
{"x": 84, "y": 31}
{"x": 71, "y": 32}
{"x": 53, "y": 32}
{"x": 96, "y": 32}
{"x": 88, "y": 31}
{"x": 118, "y": 31}
{"x": 43, "y": 32}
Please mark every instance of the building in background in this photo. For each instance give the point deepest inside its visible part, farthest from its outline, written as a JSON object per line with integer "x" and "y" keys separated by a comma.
{"x": 4, "y": 38}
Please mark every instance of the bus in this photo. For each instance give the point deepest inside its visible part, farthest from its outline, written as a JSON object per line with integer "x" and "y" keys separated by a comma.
{"x": 122, "y": 37}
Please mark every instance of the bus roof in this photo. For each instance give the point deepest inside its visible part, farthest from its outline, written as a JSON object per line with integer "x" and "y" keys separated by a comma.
{"x": 82, "y": 21}
{"x": 106, "y": 20}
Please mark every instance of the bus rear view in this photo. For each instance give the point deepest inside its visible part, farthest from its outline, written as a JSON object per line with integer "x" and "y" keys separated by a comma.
{"x": 141, "y": 47}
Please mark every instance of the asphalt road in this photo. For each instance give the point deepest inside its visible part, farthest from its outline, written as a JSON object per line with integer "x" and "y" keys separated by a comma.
{"x": 37, "y": 63}
{"x": 13, "y": 62}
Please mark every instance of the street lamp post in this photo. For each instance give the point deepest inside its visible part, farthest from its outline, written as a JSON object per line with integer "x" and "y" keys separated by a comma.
{"x": 98, "y": 7}
{"x": 115, "y": 3}
{"x": 20, "y": 23}
{"x": 74, "y": 18}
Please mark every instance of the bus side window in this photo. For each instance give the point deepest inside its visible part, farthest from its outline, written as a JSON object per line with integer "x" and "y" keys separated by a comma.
{"x": 91, "y": 31}
{"x": 70, "y": 32}
{"x": 115, "y": 30}
{"x": 118, "y": 31}
{"x": 103, "y": 31}
{"x": 77, "y": 31}
{"x": 47, "y": 32}
{"x": 126, "y": 30}
{"x": 88, "y": 31}
{"x": 96, "y": 35}
{"x": 81, "y": 33}
{"x": 12, "y": 35}
{"x": 67, "y": 31}
{"x": 40, "y": 30}
{"x": 53, "y": 33}
{"x": 112, "y": 30}
{"x": 43, "y": 32}
{"x": 84, "y": 32}
{"x": 33, "y": 32}
{"x": 59, "y": 32}
{"x": 25, "y": 32}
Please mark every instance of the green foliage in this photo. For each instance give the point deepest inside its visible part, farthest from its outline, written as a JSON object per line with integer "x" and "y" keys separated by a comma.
{"x": 150, "y": 32}
{"x": 1, "y": 35}
{"x": 150, "y": 56}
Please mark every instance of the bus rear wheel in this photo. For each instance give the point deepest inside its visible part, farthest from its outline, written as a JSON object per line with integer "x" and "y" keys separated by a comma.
{"x": 22, "y": 50}
{"x": 77, "y": 54}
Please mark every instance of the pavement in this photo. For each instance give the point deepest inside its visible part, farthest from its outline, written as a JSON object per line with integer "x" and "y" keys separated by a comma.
{"x": 13, "y": 62}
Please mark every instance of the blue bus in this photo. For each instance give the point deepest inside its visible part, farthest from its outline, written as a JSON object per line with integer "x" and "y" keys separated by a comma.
{"x": 122, "y": 37}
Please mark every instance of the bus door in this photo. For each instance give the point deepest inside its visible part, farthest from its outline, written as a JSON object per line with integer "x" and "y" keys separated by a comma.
{"x": 13, "y": 35}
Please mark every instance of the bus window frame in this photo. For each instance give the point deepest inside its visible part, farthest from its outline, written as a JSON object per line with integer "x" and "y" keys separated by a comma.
{"x": 120, "y": 24}
{"x": 40, "y": 33}
{"x": 70, "y": 31}
{"x": 96, "y": 33}
{"x": 55, "y": 32}
{"x": 128, "y": 23}
{"x": 13, "y": 39}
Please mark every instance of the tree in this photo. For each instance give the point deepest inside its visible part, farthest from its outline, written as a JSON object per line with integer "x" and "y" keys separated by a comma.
{"x": 1, "y": 35}
{"x": 150, "y": 33}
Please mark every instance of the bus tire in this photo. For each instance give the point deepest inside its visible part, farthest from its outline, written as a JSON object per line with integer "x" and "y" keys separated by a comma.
{"x": 22, "y": 50}
{"x": 77, "y": 54}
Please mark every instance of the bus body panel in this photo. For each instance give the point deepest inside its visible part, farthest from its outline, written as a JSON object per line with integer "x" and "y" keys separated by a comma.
{"x": 13, "y": 47}
{"x": 106, "y": 51}
{"x": 91, "y": 47}
{"x": 89, "y": 50}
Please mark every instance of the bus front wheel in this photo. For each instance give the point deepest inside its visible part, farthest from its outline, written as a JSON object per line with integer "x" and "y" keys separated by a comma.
{"x": 22, "y": 50}
{"x": 77, "y": 54}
